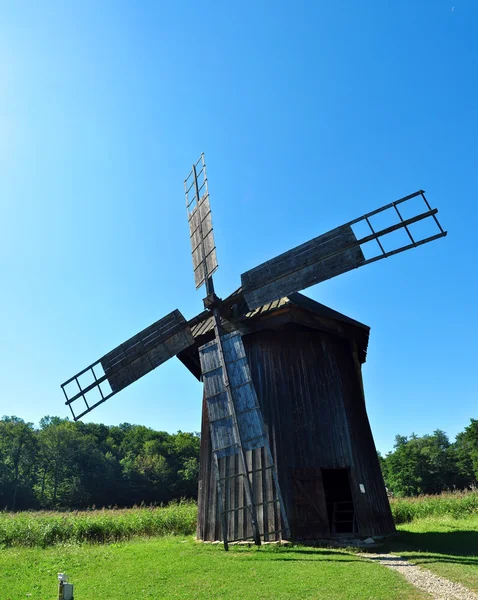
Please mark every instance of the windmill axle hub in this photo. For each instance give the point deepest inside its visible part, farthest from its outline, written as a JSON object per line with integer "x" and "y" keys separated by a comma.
{"x": 212, "y": 301}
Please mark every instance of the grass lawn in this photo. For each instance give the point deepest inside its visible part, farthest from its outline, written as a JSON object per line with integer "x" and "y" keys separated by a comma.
{"x": 445, "y": 545}
{"x": 177, "y": 567}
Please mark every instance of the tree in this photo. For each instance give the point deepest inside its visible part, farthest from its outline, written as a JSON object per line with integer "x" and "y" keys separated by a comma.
{"x": 60, "y": 447}
{"x": 421, "y": 465}
{"x": 18, "y": 450}
{"x": 404, "y": 468}
{"x": 65, "y": 464}
{"x": 466, "y": 453}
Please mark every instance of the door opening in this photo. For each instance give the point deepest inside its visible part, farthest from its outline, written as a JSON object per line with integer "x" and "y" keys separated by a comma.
{"x": 338, "y": 498}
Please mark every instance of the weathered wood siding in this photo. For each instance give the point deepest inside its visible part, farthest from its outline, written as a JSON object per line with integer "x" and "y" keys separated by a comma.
{"x": 321, "y": 258}
{"x": 146, "y": 350}
{"x": 310, "y": 390}
{"x": 239, "y": 525}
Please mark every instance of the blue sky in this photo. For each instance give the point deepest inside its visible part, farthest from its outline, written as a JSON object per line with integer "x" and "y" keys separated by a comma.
{"x": 310, "y": 114}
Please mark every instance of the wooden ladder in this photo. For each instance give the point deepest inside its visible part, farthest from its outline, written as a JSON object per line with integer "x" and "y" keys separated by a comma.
{"x": 343, "y": 514}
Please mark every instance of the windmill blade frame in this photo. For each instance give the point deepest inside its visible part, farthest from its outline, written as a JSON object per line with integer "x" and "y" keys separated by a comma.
{"x": 331, "y": 254}
{"x": 203, "y": 247}
{"x": 128, "y": 362}
{"x": 237, "y": 426}
{"x": 231, "y": 399}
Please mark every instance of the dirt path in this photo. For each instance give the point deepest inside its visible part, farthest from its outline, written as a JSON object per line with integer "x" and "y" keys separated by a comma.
{"x": 438, "y": 587}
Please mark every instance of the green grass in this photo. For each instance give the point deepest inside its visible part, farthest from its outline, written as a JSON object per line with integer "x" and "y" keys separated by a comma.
{"x": 129, "y": 558}
{"x": 48, "y": 528}
{"x": 440, "y": 533}
{"x": 446, "y": 545}
{"x": 454, "y": 504}
{"x": 174, "y": 568}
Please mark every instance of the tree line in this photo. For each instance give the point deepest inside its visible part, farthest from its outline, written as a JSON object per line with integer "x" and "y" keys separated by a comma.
{"x": 62, "y": 464}
{"x": 431, "y": 464}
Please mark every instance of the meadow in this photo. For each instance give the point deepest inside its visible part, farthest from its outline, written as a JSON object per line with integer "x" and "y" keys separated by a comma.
{"x": 440, "y": 533}
{"x": 446, "y": 545}
{"x": 108, "y": 525}
{"x": 177, "y": 567}
{"x": 150, "y": 552}
{"x": 455, "y": 504}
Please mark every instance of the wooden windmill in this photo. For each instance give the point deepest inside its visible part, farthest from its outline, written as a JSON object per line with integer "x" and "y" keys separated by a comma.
{"x": 286, "y": 447}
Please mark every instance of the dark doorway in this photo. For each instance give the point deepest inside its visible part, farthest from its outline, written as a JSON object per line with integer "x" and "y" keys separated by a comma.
{"x": 338, "y": 498}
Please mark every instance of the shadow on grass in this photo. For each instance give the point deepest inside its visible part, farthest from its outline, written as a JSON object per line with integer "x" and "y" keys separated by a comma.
{"x": 312, "y": 554}
{"x": 310, "y": 559}
{"x": 460, "y": 547}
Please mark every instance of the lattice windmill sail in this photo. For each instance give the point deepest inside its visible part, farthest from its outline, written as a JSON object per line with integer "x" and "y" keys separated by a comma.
{"x": 248, "y": 501}
{"x": 235, "y": 418}
{"x": 331, "y": 254}
{"x": 128, "y": 362}
{"x": 200, "y": 224}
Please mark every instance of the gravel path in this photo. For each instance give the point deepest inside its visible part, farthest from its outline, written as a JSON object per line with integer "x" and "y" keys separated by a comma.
{"x": 438, "y": 587}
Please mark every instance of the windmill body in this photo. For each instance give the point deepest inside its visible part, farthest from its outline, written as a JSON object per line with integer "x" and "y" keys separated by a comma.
{"x": 306, "y": 367}
{"x": 286, "y": 446}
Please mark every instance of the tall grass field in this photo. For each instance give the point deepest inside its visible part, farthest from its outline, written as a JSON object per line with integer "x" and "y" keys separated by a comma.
{"x": 448, "y": 504}
{"x": 113, "y": 525}
{"x": 98, "y": 526}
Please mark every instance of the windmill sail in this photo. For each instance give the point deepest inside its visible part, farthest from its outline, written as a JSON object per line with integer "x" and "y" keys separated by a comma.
{"x": 235, "y": 418}
{"x": 317, "y": 260}
{"x": 203, "y": 247}
{"x": 237, "y": 426}
{"x": 128, "y": 362}
{"x": 250, "y": 433}
{"x": 330, "y": 254}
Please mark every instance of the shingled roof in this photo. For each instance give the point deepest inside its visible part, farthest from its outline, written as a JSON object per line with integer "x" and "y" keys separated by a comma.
{"x": 295, "y": 308}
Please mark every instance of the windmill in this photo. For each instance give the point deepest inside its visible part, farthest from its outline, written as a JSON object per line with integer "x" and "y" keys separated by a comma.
{"x": 305, "y": 430}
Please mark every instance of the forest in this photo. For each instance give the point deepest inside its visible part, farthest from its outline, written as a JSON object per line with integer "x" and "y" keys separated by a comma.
{"x": 431, "y": 464}
{"x": 62, "y": 464}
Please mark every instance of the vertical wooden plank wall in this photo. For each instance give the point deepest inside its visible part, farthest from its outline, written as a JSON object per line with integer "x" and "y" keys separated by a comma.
{"x": 310, "y": 390}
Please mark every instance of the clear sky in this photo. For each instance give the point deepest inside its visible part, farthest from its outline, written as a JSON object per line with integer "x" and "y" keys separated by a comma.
{"x": 310, "y": 114}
